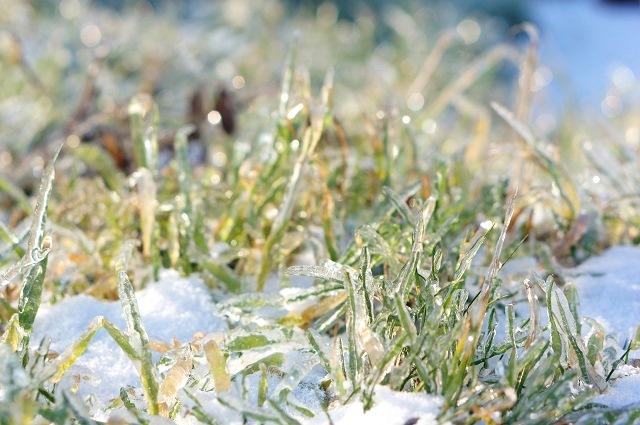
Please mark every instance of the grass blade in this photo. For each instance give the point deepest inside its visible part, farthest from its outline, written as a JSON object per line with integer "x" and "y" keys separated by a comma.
{"x": 139, "y": 341}
{"x": 218, "y": 366}
{"x": 35, "y": 251}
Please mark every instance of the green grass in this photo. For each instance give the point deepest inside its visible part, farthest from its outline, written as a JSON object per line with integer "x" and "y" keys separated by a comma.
{"x": 410, "y": 227}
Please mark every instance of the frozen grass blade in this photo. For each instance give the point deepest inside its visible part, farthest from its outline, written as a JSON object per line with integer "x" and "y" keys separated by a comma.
{"x": 328, "y": 223}
{"x": 466, "y": 257}
{"x": 32, "y": 265}
{"x": 402, "y": 283}
{"x": 595, "y": 343}
{"x": 432, "y": 61}
{"x": 573, "y": 346}
{"x": 318, "y": 346}
{"x": 274, "y": 360}
{"x": 333, "y": 274}
{"x": 139, "y": 341}
{"x": 288, "y": 79}
{"x": 338, "y": 370}
{"x": 352, "y": 345}
{"x": 366, "y": 278}
{"x": 146, "y": 187}
{"x": 534, "y": 311}
{"x": 144, "y": 135}
{"x": 71, "y": 354}
{"x": 35, "y": 252}
{"x": 571, "y": 293}
{"x": 311, "y": 138}
{"x": 381, "y": 370}
{"x": 263, "y": 386}
{"x": 399, "y": 204}
{"x": 469, "y": 76}
{"x": 527, "y": 69}
{"x": 30, "y": 298}
{"x": 567, "y": 188}
{"x": 378, "y": 245}
{"x": 382, "y": 212}
{"x": 185, "y": 183}
{"x": 12, "y": 335}
{"x": 175, "y": 379}
{"x": 493, "y": 268}
{"x": 218, "y": 366}
{"x": 405, "y": 319}
{"x": 511, "y": 335}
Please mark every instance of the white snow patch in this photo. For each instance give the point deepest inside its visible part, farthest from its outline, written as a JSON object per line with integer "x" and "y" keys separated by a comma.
{"x": 391, "y": 408}
{"x": 624, "y": 392}
{"x": 609, "y": 289}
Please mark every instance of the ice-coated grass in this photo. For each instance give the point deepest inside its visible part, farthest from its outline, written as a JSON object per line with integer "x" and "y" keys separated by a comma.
{"x": 403, "y": 213}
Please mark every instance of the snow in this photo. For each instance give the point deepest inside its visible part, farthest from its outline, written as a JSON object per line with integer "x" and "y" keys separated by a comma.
{"x": 391, "y": 408}
{"x": 624, "y": 392}
{"x": 609, "y": 289}
{"x": 177, "y": 308}
{"x": 626, "y": 389}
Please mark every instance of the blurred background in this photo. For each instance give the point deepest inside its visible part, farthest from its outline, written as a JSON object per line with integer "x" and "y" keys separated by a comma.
{"x": 589, "y": 54}
{"x": 591, "y": 45}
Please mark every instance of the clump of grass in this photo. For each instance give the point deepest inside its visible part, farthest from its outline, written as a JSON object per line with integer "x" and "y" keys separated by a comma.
{"x": 408, "y": 290}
